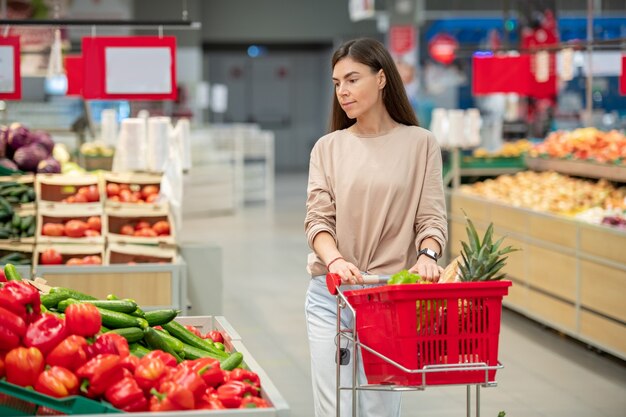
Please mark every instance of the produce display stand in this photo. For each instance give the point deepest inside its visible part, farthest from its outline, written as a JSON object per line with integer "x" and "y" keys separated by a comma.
{"x": 153, "y": 286}
{"x": 411, "y": 337}
{"x": 18, "y": 401}
{"x": 26, "y": 179}
{"x": 579, "y": 168}
{"x": 26, "y": 248}
{"x": 51, "y": 189}
{"x": 569, "y": 275}
{"x": 468, "y": 166}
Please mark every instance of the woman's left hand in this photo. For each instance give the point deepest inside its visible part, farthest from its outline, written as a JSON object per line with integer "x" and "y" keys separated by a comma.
{"x": 427, "y": 268}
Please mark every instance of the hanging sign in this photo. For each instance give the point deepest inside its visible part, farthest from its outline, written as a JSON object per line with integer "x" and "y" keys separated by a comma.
{"x": 442, "y": 48}
{"x": 10, "y": 78}
{"x": 622, "y": 77}
{"x": 130, "y": 68}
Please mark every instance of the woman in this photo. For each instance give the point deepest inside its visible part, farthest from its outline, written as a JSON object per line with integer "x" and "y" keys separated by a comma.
{"x": 375, "y": 205}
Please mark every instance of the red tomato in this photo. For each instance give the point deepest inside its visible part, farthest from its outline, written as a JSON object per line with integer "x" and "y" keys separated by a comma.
{"x": 115, "y": 198}
{"x": 95, "y": 223}
{"x": 162, "y": 228}
{"x": 149, "y": 190}
{"x": 74, "y": 261}
{"x": 152, "y": 198}
{"x": 113, "y": 189}
{"x": 78, "y": 198}
{"x": 125, "y": 195}
{"x": 124, "y": 187}
{"x": 75, "y": 228}
{"x": 91, "y": 233}
{"x": 53, "y": 229}
{"x": 145, "y": 233}
{"x": 51, "y": 257}
{"x": 90, "y": 192}
{"x": 92, "y": 260}
{"x": 142, "y": 225}
{"x": 127, "y": 229}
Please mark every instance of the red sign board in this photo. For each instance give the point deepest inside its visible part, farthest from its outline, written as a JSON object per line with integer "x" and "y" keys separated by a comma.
{"x": 401, "y": 39}
{"x": 442, "y": 48}
{"x": 622, "y": 77}
{"x": 74, "y": 72}
{"x": 10, "y": 77}
{"x": 129, "y": 68}
{"x": 509, "y": 74}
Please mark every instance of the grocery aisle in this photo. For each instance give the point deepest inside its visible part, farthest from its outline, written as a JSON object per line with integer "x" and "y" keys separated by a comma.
{"x": 264, "y": 254}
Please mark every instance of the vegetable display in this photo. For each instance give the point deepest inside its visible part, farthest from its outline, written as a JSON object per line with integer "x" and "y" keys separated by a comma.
{"x": 26, "y": 150}
{"x": 67, "y": 343}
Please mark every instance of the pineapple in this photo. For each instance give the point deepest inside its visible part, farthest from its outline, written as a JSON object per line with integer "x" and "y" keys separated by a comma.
{"x": 482, "y": 260}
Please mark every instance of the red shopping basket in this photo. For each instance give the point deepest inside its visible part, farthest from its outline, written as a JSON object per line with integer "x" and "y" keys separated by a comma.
{"x": 417, "y": 325}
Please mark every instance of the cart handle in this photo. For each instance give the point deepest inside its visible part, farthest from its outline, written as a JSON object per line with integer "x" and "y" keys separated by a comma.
{"x": 333, "y": 281}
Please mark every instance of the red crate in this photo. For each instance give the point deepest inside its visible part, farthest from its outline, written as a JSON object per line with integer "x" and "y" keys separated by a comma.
{"x": 417, "y": 325}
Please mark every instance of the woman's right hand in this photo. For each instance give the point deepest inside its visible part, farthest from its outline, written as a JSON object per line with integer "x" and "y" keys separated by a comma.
{"x": 349, "y": 273}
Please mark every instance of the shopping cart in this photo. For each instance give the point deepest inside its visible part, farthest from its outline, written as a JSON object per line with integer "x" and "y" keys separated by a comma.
{"x": 414, "y": 336}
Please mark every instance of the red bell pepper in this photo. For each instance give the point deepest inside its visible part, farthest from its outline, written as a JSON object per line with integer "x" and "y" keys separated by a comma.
{"x": 189, "y": 379}
{"x": 127, "y": 395}
{"x": 2, "y": 368}
{"x": 247, "y": 377}
{"x": 57, "y": 382}
{"x": 23, "y": 366}
{"x": 130, "y": 362}
{"x": 45, "y": 333}
{"x": 215, "y": 336}
{"x": 231, "y": 393}
{"x": 99, "y": 373}
{"x": 168, "y": 360}
{"x": 70, "y": 353}
{"x": 12, "y": 329}
{"x": 209, "y": 370}
{"x": 210, "y": 404}
{"x": 109, "y": 343}
{"x": 149, "y": 372}
{"x": 83, "y": 319}
{"x": 171, "y": 397}
{"x": 253, "y": 402}
{"x": 22, "y": 299}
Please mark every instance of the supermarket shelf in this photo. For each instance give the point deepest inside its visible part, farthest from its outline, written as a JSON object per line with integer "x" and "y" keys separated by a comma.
{"x": 579, "y": 168}
{"x": 569, "y": 275}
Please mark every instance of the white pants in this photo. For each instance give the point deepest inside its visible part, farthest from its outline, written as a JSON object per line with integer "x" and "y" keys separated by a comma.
{"x": 321, "y": 316}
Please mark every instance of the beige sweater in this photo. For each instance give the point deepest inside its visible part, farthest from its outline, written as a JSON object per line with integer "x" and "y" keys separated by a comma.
{"x": 378, "y": 196}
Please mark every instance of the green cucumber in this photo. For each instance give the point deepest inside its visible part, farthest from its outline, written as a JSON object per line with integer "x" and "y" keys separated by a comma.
{"x": 137, "y": 350}
{"x": 156, "y": 341}
{"x": 26, "y": 222}
{"x": 73, "y": 293}
{"x": 174, "y": 343}
{"x": 181, "y": 333}
{"x": 12, "y": 257}
{"x": 192, "y": 352}
{"x": 51, "y": 300}
{"x": 4, "y": 234}
{"x": 138, "y": 312}
{"x": 31, "y": 194}
{"x": 234, "y": 360}
{"x": 11, "y": 273}
{"x": 6, "y": 206}
{"x": 160, "y": 317}
{"x": 131, "y": 334}
{"x": 24, "y": 198}
{"x": 121, "y": 306}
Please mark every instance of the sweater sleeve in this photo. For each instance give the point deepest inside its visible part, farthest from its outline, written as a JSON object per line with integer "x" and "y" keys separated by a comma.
{"x": 431, "y": 219}
{"x": 320, "y": 203}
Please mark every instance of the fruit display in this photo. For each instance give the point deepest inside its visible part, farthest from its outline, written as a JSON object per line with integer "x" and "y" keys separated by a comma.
{"x": 87, "y": 194}
{"x": 26, "y": 150}
{"x": 132, "y": 193}
{"x": 64, "y": 189}
{"x": 65, "y": 343}
{"x": 96, "y": 148}
{"x": 508, "y": 150}
{"x": 52, "y": 254}
{"x": 549, "y": 192}
{"x": 72, "y": 228}
{"x": 585, "y": 144}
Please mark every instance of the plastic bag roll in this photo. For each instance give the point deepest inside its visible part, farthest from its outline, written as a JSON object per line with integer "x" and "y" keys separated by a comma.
{"x": 159, "y": 136}
{"x": 130, "y": 152}
{"x": 183, "y": 138}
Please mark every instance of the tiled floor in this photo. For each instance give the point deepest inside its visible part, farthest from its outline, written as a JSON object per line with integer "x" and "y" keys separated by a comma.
{"x": 264, "y": 254}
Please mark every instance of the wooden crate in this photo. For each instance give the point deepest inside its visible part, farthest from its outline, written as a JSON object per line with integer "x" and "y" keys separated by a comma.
{"x": 67, "y": 252}
{"x": 25, "y": 179}
{"x": 136, "y": 181}
{"x": 27, "y": 249}
{"x": 122, "y": 253}
{"x": 116, "y": 217}
{"x": 23, "y": 212}
{"x": 51, "y": 189}
{"x": 63, "y": 214}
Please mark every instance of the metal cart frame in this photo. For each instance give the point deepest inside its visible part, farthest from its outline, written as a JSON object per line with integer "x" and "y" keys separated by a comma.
{"x": 350, "y": 335}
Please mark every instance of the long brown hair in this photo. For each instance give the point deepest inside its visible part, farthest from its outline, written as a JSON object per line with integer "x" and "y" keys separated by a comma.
{"x": 372, "y": 53}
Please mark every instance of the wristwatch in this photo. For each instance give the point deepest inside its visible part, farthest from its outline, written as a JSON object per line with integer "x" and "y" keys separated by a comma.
{"x": 428, "y": 252}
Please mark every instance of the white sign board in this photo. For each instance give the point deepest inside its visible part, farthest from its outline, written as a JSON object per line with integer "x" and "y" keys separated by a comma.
{"x": 138, "y": 70}
{"x": 7, "y": 67}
